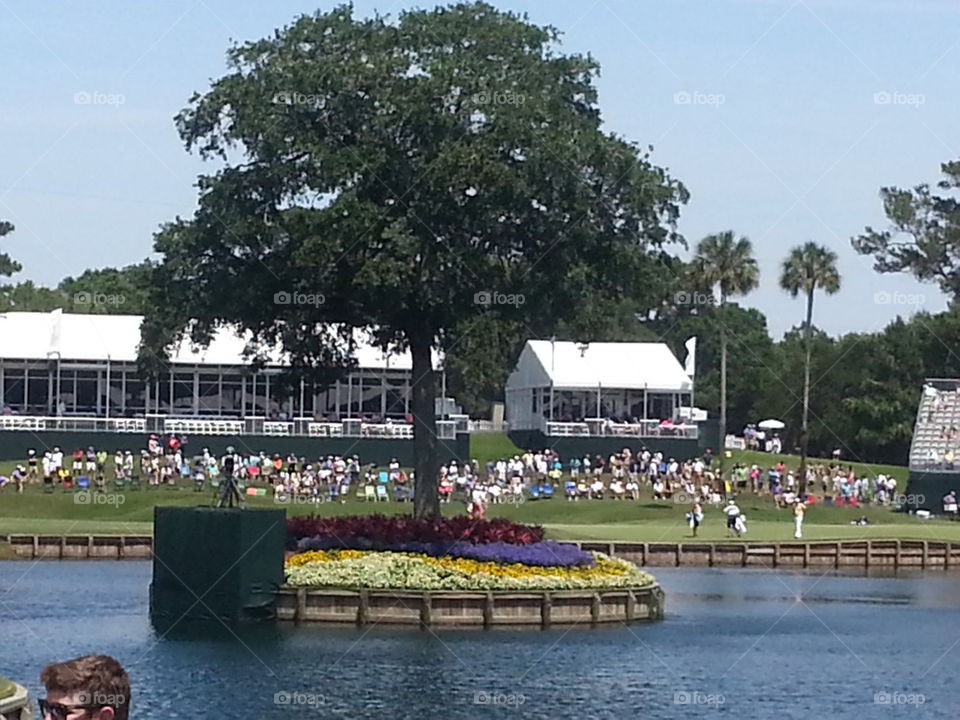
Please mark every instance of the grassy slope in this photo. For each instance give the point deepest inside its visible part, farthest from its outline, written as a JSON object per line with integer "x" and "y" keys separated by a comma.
{"x": 59, "y": 513}
{"x": 491, "y": 446}
{"x": 35, "y": 512}
{"x": 765, "y": 460}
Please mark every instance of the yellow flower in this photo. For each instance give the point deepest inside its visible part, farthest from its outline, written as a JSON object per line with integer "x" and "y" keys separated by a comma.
{"x": 356, "y": 568}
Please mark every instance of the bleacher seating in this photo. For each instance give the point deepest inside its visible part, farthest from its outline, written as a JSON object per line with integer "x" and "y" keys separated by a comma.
{"x": 936, "y": 435}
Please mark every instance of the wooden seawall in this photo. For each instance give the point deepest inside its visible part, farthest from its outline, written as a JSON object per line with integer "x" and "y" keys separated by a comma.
{"x": 471, "y": 609}
{"x": 893, "y": 554}
{"x": 82, "y": 547}
{"x": 918, "y": 554}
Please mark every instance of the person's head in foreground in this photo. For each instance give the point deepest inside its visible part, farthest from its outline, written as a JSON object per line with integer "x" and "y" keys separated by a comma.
{"x": 93, "y": 687}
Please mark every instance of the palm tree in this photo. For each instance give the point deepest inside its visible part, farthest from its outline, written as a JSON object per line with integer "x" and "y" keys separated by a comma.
{"x": 724, "y": 262}
{"x": 808, "y": 267}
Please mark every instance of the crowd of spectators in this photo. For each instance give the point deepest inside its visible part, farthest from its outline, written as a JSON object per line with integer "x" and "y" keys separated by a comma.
{"x": 533, "y": 475}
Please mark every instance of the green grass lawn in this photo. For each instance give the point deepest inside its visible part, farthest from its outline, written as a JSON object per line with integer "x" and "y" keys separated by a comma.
{"x": 131, "y": 512}
{"x": 486, "y": 447}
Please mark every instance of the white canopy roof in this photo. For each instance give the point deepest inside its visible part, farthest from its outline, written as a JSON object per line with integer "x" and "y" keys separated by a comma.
{"x": 632, "y": 366}
{"x": 39, "y": 336}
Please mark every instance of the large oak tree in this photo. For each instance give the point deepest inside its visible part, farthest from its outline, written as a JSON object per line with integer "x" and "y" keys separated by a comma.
{"x": 419, "y": 175}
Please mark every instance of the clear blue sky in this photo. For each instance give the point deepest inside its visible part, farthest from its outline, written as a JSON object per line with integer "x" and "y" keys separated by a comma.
{"x": 782, "y": 140}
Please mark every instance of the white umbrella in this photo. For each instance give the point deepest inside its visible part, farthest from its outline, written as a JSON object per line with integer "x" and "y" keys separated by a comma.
{"x": 771, "y": 425}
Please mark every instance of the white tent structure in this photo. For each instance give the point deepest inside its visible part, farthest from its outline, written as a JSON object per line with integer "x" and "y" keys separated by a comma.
{"x": 75, "y": 364}
{"x": 567, "y": 382}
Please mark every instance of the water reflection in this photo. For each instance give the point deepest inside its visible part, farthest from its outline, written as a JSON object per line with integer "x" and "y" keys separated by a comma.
{"x": 754, "y": 643}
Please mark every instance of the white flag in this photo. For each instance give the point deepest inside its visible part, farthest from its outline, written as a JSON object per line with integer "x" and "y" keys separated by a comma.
{"x": 56, "y": 317}
{"x": 690, "y": 364}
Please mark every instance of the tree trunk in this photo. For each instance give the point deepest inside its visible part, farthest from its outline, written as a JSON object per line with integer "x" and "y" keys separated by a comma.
{"x": 721, "y": 451}
{"x": 426, "y": 501}
{"x": 804, "y": 435}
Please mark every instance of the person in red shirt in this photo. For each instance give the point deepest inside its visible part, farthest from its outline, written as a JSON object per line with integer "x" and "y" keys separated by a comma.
{"x": 78, "y": 455}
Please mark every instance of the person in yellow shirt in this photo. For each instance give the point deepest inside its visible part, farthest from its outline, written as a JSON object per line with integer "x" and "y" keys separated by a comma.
{"x": 799, "y": 508}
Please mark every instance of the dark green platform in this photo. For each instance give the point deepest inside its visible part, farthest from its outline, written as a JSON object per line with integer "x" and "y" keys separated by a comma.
{"x": 925, "y": 490}
{"x": 216, "y": 563}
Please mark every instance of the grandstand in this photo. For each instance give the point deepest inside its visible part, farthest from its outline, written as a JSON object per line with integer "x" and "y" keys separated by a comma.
{"x": 72, "y": 380}
{"x": 62, "y": 365}
{"x": 935, "y": 450}
{"x": 936, "y": 435}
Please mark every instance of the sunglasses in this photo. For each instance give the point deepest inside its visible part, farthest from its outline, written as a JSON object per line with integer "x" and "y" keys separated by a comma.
{"x": 59, "y": 711}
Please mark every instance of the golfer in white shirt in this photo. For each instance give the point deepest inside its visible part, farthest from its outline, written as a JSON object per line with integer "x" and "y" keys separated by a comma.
{"x": 732, "y": 512}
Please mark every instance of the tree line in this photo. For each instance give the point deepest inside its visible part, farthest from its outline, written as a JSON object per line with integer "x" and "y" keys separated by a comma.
{"x": 407, "y": 174}
{"x": 863, "y": 390}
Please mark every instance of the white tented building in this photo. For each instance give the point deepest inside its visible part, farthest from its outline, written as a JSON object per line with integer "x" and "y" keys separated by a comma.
{"x": 565, "y": 387}
{"x": 60, "y": 364}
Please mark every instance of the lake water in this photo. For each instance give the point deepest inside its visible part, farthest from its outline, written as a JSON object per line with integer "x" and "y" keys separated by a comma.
{"x": 747, "y": 644}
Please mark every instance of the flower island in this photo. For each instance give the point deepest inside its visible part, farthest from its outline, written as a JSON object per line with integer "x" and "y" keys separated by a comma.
{"x": 454, "y": 572}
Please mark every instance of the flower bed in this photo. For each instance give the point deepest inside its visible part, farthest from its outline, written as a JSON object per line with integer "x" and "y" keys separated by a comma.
{"x": 380, "y": 531}
{"x": 355, "y": 569}
{"x": 548, "y": 553}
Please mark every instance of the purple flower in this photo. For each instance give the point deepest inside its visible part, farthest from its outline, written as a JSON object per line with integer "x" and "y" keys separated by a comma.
{"x": 547, "y": 553}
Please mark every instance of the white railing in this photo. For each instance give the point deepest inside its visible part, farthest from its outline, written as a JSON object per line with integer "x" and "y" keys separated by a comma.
{"x": 324, "y": 429}
{"x": 132, "y": 425}
{"x": 446, "y": 429}
{"x": 197, "y": 426}
{"x": 35, "y": 423}
{"x": 562, "y": 429}
{"x": 386, "y": 430}
{"x": 277, "y": 428}
{"x": 18, "y": 422}
{"x": 487, "y": 426}
{"x": 643, "y": 429}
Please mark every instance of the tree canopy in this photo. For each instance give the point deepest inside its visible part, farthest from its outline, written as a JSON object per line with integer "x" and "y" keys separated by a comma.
{"x": 810, "y": 267}
{"x": 924, "y": 234}
{"x": 8, "y": 266}
{"x": 726, "y": 262}
{"x": 415, "y": 178}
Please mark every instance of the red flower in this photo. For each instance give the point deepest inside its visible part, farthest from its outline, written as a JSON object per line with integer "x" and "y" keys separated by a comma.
{"x": 398, "y": 528}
